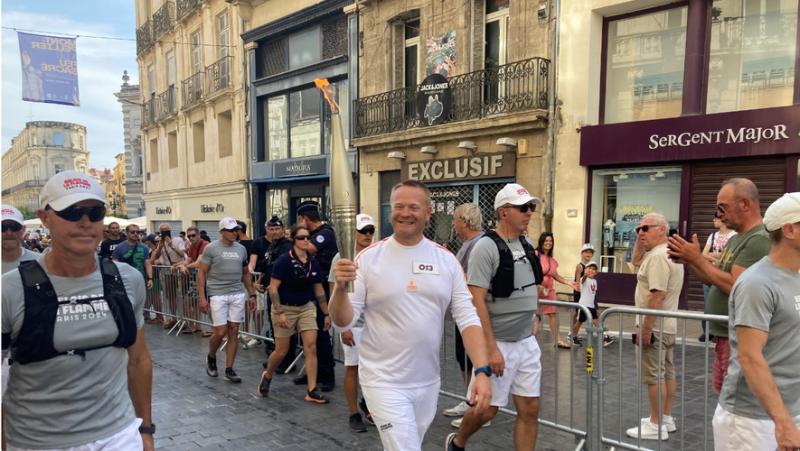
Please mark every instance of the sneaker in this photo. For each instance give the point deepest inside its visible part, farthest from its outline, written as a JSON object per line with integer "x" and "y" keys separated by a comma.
{"x": 315, "y": 396}
{"x": 242, "y": 339}
{"x": 668, "y": 422}
{"x": 211, "y": 366}
{"x": 576, "y": 342}
{"x": 231, "y": 376}
{"x": 449, "y": 445}
{"x": 263, "y": 385}
{"x": 356, "y": 424}
{"x": 457, "y": 423}
{"x": 367, "y": 414}
{"x": 252, "y": 344}
{"x": 608, "y": 339}
{"x": 457, "y": 411}
{"x": 302, "y": 380}
{"x": 649, "y": 431}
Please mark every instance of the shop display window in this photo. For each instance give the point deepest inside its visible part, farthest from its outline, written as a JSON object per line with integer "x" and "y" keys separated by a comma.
{"x": 278, "y": 205}
{"x": 620, "y": 199}
{"x": 644, "y": 66}
{"x": 275, "y": 126}
{"x": 753, "y": 47}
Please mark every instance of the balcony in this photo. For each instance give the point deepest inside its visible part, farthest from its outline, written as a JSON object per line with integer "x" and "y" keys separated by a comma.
{"x": 23, "y": 185}
{"x": 187, "y": 6}
{"x": 165, "y": 106}
{"x": 218, "y": 76}
{"x": 163, "y": 20}
{"x": 144, "y": 37}
{"x": 149, "y": 113}
{"x": 192, "y": 89}
{"x": 509, "y": 88}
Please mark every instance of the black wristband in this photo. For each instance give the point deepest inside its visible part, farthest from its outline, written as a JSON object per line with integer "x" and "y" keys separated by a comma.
{"x": 253, "y": 296}
{"x": 326, "y": 314}
{"x": 148, "y": 429}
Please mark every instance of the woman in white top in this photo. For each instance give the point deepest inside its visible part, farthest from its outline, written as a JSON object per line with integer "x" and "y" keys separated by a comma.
{"x": 714, "y": 246}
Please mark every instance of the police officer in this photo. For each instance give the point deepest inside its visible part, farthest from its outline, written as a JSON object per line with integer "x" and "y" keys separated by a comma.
{"x": 323, "y": 247}
{"x": 83, "y": 348}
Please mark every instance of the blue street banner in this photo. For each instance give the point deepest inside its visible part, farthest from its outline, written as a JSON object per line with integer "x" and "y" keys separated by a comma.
{"x": 49, "y": 69}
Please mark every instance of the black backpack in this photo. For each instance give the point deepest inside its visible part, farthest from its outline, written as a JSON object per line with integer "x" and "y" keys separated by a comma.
{"x": 503, "y": 280}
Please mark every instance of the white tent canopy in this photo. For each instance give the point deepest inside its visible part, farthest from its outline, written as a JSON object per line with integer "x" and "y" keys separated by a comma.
{"x": 141, "y": 221}
{"x": 35, "y": 222}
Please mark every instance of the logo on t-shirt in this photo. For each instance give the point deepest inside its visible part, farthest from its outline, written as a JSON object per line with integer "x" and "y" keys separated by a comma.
{"x": 75, "y": 311}
{"x": 231, "y": 256}
{"x": 412, "y": 285}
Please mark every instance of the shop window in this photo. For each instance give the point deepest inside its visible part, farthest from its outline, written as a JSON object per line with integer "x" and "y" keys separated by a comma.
{"x": 305, "y": 48}
{"x": 753, "y": 47}
{"x": 275, "y": 116}
{"x": 644, "y": 66}
{"x": 620, "y": 198}
{"x": 411, "y": 67}
{"x": 304, "y": 108}
{"x": 277, "y": 204}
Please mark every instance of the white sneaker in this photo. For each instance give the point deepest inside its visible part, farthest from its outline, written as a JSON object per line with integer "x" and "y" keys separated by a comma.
{"x": 457, "y": 411}
{"x": 669, "y": 422}
{"x": 457, "y": 423}
{"x": 649, "y": 431}
{"x": 252, "y": 343}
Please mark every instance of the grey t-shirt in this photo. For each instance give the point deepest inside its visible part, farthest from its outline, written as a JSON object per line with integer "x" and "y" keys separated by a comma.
{"x": 67, "y": 401}
{"x": 332, "y": 279}
{"x": 27, "y": 255}
{"x": 512, "y": 317}
{"x": 225, "y": 268}
{"x": 765, "y": 297}
{"x": 466, "y": 249}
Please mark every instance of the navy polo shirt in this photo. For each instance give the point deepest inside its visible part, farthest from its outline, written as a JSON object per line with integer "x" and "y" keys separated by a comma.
{"x": 284, "y": 271}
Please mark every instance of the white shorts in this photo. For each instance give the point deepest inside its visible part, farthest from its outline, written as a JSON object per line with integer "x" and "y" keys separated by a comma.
{"x": 402, "y": 415}
{"x": 735, "y": 432}
{"x": 523, "y": 372}
{"x": 228, "y": 308}
{"x": 124, "y": 440}
{"x": 351, "y": 352}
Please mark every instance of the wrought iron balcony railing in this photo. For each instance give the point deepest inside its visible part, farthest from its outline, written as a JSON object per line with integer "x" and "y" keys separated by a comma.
{"x": 218, "y": 75}
{"x": 163, "y": 20}
{"x": 166, "y": 103}
{"x": 192, "y": 89}
{"x": 23, "y": 185}
{"x": 187, "y": 6}
{"x": 149, "y": 113}
{"x": 144, "y": 37}
{"x": 503, "y": 89}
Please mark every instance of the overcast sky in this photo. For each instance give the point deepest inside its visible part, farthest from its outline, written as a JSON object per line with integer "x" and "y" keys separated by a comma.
{"x": 100, "y": 66}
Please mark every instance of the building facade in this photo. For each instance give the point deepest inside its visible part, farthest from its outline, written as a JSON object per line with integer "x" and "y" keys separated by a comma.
{"x": 660, "y": 103}
{"x": 38, "y": 152}
{"x": 191, "y": 80}
{"x": 288, "y": 47}
{"x": 129, "y": 97}
{"x": 453, "y": 94}
{"x": 117, "y": 192}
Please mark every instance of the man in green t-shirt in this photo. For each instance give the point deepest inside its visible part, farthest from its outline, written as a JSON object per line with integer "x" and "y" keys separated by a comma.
{"x": 738, "y": 208}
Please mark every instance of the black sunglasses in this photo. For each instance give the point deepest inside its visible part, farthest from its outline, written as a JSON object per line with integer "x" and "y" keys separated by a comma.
{"x": 645, "y": 228}
{"x": 74, "y": 213}
{"x": 366, "y": 230}
{"x": 229, "y": 230}
{"x": 14, "y": 226}
{"x": 302, "y": 237}
{"x": 192, "y": 235}
{"x": 524, "y": 207}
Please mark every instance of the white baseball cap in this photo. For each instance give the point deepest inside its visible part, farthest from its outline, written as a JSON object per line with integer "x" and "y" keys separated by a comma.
{"x": 587, "y": 247}
{"x": 785, "y": 210}
{"x": 228, "y": 223}
{"x": 592, "y": 264}
{"x": 363, "y": 221}
{"x": 70, "y": 187}
{"x": 515, "y": 195}
{"x": 12, "y": 214}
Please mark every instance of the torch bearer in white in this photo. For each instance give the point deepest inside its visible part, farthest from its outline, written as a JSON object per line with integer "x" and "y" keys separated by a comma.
{"x": 343, "y": 190}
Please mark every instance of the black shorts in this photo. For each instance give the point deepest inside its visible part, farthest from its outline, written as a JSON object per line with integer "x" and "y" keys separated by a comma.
{"x": 576, "y": 296}
{"x": 582, "y": 316}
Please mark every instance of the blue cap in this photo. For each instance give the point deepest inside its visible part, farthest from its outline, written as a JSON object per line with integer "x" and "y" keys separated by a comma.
{"x": 151, "y": 238}
{"x": 275, "y": 221}
{"x": 308, "y": 205}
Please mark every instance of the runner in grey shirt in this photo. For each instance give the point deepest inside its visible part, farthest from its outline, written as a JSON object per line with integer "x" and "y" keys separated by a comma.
{"x": 13, "y": 231}
{"x": 759, "y": 406}
{"x": 225, "y": 267}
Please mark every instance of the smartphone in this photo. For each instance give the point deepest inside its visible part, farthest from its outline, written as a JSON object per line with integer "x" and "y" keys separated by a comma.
{"x": 166, "y": 233}
{"x": 652, "y": 338}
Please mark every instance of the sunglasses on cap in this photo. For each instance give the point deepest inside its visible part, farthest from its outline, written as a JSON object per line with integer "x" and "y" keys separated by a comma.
{"x": 302, "y": 237}
{"x": 524, "y": 207}
{"x": 74, "y": 213}
{"x": 645, "y": 228}
{"x": 14, "y": 226}
{"x": 366, "y": 230}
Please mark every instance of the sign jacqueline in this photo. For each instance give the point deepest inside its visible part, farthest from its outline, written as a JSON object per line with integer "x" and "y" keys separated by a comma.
{"x": 49, "y": 69}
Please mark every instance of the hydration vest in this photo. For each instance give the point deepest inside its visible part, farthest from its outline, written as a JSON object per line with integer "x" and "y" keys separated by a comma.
{"x": 35, "y": 340}
{"x": 503, "y": 280}
{"x": 272, "y": 254}
{"x": 325, "y": 256}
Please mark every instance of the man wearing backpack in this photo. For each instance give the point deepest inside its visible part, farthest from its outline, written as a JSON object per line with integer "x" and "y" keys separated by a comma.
{"x": 82, "y": 374}
{"x": 502, "y": 277}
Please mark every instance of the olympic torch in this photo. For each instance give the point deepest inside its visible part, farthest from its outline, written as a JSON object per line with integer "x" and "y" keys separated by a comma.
{"x": 343, "y": 190}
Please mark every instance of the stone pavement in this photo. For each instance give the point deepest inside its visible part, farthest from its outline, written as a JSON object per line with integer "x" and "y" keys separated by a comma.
{"x": 194, "y": 411}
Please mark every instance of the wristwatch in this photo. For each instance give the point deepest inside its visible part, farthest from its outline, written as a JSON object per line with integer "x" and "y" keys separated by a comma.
{"x": 148, "y": 429}
{"x": 326, "y": 314}
{"x": 253, "y": 296}
{"x": 485, "y": 370}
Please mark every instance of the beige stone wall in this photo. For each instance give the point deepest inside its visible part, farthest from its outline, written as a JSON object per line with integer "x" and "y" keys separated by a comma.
{"x": 271, "y": 11}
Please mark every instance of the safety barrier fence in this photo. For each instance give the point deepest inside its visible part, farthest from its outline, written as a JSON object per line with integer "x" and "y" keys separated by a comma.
{"x": 581, "y": 389}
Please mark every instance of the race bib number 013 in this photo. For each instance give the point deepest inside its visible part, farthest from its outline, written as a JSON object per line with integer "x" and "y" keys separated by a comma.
{"x": 425, "y": 268}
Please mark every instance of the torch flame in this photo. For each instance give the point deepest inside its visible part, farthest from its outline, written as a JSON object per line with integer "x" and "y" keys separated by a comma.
{"x": 327, "y": 91}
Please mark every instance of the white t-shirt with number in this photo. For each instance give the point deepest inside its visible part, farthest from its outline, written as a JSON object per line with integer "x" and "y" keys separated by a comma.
{"x": 404, "y": 292}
